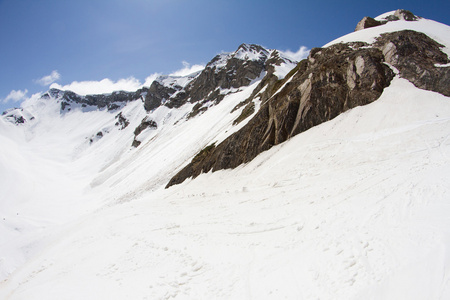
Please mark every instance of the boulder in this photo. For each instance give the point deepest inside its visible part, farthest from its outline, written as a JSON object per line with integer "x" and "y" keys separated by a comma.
{"x": 367, "y": 22}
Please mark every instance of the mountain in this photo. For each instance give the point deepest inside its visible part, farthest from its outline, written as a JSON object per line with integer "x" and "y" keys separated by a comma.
{"x": 331, "y": 81}
{"x": 257, "y": 177}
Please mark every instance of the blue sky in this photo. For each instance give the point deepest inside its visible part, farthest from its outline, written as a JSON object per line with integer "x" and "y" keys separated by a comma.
{"x": 124, "y": 42}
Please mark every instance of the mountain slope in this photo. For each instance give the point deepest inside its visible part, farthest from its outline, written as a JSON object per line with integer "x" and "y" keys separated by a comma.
{"x": 62, "y": 144}
{"x": 361, "y": 212}
{"x": 355, "y": 207}
{"x": 332, "y": 80}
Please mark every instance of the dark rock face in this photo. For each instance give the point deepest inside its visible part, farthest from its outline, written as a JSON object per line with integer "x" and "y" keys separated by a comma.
{"x": 157, "y": 93}
{"x": 237, "y": 72}
{"x": 415, "y": 55}
{"x": 367, "y": 22}
{"x": 223, "y": 72}
{"x": 145, "y": 123}
{"x": 331, "y": 81}
{"x": 110, "y": 101}
{"x": 122, "y": 122}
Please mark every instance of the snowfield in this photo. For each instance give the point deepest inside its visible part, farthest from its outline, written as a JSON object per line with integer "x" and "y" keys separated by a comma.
{"x": 355, "y": 208}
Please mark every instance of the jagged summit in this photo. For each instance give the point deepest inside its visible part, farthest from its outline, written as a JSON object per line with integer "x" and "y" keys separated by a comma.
{"x": 224, "y": 74}
{"x": 244, "y": 52}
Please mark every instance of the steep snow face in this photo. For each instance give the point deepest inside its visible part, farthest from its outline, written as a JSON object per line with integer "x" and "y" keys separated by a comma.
{"x": 353, "y": 208}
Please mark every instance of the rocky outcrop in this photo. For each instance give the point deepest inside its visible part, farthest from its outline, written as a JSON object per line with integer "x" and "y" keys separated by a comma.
{"x": 417, "y": 57}
{"x": 17, "y": 116}
{"x": 331, "y": 81}
{"x": 145, "y": 123}
{"x": 224, "y": 74}
{"x": 111, "y": 101}
{"x": 122, "y": 122}
{"x": 367, "y": 22}
{"x": 159, "y": 93}
{"x": 402, "y": 14}
{"x": 399, "y": 14}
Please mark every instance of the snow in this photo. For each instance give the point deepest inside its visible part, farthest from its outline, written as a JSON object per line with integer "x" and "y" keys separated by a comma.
{"x": 437, "y": 31}
{"x": 355, "y": 208}
{"x": 245, "y": 52}
{"x": 173, "y": 81}
{"x": 385, "y": 15}
{"x": 288, "y": 62}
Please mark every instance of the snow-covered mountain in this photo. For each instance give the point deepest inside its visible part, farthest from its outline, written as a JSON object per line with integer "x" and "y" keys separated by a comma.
{"x": 325, "y": 178}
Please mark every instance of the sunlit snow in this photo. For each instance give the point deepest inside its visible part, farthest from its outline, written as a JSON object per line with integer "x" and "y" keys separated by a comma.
{"x": 355, "y": 208}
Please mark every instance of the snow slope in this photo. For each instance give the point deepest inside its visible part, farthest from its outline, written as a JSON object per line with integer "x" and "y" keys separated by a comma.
{"x": 355, "y": 208}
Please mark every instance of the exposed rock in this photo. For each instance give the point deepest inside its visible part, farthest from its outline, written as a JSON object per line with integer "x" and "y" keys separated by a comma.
{"x": 399, "y": 14}
{"x": 367, "y": 22}
{"x": 224, "y": 74}
{"x": 157, "y": 94}
{"x": 145, "y": 123}
{"x": 17, "y": 116}
{"x": 96, "y": 137}
{"x": 111, "y": 101}
{"x": 135, "y": 143}
{"x": 402, "y": 14}
{"x": 268, "y": 85}
{"x": 121, "y": 121}
{"x": 248, "y": 110}
{"x": 329, "y": 82}
{"x": 415, "y": 55}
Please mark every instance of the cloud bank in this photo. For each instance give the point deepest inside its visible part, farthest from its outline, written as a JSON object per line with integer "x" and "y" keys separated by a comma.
{"x": 301, "y": 53}
{"x": 187, "y": 69}
{"x": 103, "y": 86}
{"x": 129, "y": 84}
{"x": 49, "y": 79}
{"x": 16, "y": 96}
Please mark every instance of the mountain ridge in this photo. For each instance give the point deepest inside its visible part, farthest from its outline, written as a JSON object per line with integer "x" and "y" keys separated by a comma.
{"x": 330, "y": 81}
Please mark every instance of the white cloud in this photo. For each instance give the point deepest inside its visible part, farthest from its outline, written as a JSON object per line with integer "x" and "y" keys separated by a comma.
{"x": 188, "y": 69}
{"x": 150, "y": 79}
{"x": 16, "y": 96}
{"x": 129, "y": 84}
{"x": 103, "y": 86}
{"x": 49, "y": 79}
{"x": 299, "y": 55}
